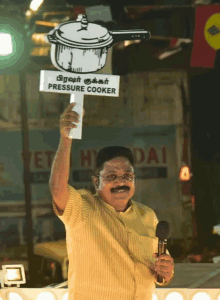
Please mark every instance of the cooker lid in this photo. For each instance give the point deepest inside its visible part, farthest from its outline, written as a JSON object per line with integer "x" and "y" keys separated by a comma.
{"x": 81, "y": 34}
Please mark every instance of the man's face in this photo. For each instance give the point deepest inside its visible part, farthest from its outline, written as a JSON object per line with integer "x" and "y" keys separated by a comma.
{"x": 119, "y": 192}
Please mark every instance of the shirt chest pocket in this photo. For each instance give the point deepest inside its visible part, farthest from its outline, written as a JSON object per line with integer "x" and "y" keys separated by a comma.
{"x": 142, "y": 247}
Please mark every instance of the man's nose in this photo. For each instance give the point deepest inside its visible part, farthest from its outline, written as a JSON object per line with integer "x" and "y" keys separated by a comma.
{"x": 120, "y": 180}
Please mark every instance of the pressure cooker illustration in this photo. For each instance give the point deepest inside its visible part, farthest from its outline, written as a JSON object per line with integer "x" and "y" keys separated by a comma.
{"x": 82, "y": 47}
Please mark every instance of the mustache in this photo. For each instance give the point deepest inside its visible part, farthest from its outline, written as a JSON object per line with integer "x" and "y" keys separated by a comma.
{"x": 124, "y": 187}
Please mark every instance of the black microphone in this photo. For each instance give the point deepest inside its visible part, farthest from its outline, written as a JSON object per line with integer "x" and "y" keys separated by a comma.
{"x": 162, "y": 232}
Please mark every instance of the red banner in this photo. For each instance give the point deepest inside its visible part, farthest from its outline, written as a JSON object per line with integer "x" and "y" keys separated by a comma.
{"x": 79, "y": 9}
{"x": 136, "y": 12}
{"x": 206, "y": 36}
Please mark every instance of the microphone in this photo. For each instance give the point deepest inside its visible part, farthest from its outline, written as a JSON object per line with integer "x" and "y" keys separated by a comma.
{"x": 162, "y": 232}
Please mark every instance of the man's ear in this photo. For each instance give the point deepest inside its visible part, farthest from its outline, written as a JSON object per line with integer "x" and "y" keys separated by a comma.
{"x": 95, "y": 181}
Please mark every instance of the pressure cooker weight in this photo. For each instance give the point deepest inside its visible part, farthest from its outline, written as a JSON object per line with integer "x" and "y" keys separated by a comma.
{"x": 78, "y": 88}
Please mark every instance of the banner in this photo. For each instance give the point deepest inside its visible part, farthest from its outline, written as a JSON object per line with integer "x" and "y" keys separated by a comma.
{"x": 206, "y": 36}
{"x": 136, "y": 12}
{"x": 78, "y": 9}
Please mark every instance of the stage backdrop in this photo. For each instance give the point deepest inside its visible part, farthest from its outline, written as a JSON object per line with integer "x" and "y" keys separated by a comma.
{"x": 154, "y": 149}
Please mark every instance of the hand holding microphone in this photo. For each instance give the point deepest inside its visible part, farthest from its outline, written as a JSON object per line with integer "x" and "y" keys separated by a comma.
{"x": 164, "y": 264}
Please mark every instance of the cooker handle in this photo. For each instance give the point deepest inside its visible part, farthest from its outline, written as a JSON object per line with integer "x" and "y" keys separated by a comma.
{"x": 52, "y": 38}
{"x": 133, "y": 34}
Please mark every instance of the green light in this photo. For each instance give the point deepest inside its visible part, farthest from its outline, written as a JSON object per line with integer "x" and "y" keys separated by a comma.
{"x": 14, "y": 49}
{"x": 15, "y": 31}
{"x": 6, "y": 46}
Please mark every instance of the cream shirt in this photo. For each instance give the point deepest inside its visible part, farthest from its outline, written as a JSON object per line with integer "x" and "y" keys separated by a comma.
{"x": 109, "y": 252}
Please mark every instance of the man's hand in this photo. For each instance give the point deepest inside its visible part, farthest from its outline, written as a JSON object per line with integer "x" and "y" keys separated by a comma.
{"x": 164, "y": 266}
{"x": 67, "y": 118}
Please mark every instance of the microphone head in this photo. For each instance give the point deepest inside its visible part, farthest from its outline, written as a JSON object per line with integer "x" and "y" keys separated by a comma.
{"x": 162, "y": 230}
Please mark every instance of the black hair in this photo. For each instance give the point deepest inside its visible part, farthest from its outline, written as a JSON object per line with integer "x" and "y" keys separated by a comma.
{"x": 109, "y": 153}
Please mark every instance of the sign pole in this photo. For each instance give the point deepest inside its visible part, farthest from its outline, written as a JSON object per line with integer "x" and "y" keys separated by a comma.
{"x": 79, "y": 100}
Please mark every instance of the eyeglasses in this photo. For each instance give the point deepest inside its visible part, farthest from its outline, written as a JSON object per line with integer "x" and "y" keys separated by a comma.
{"x": 114, "y": 177}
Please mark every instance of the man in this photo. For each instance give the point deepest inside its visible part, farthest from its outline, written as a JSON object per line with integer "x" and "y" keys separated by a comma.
{"x": 110, "y": 238}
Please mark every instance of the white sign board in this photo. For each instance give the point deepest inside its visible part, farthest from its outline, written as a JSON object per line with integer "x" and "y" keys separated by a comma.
{"x": 77, "y": 49}
{"x": 87, "y": 84}
{"x": 79, "y": 85}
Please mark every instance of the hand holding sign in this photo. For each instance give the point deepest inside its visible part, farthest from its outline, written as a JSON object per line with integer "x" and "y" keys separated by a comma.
{"x": 78, "y": 99}
{"x": 68, "y": 119}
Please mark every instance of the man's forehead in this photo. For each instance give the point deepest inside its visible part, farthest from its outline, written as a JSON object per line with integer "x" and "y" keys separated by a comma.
{"x": 117, "y": 163}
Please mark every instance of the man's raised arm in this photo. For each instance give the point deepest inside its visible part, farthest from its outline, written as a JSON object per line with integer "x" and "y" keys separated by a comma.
{"x": 59, "y": 176}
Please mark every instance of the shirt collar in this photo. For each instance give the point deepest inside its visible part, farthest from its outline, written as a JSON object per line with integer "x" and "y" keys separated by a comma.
{"x": 108, "y": 206}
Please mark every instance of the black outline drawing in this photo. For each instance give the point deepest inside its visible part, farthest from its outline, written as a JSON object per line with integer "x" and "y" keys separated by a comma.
{"x": 82, "y": 47}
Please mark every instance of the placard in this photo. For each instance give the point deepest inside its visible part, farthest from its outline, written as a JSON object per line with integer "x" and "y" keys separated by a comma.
{"x": 81, "y": 47}
{"x": 87, "y": 84}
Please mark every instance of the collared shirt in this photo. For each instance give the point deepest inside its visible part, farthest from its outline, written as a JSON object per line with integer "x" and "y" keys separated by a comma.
{"x": 109, "y": 252}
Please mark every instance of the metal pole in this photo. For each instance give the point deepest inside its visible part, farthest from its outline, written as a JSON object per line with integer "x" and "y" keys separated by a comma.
{"x": 192, "y": 165}
{"x": 26, "y": 170}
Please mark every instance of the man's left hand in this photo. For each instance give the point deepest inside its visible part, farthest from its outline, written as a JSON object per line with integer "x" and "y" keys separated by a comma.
{"x": 164, "y": 266}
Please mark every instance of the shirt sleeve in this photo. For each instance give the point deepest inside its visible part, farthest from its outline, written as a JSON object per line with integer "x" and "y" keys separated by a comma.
{"x": 74, "y": 210}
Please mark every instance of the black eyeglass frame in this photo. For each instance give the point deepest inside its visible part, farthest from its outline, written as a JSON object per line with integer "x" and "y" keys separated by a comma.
{"x": 133, "y": 174}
